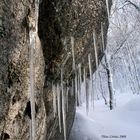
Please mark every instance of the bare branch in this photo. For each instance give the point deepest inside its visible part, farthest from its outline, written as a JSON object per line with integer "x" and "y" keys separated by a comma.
{"x": 121, "y": 45}
{"x": 136, "y": 6}
{"x": 104, "y": 66}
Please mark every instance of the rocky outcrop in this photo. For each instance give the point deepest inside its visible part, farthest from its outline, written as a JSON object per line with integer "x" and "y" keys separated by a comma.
{"x": 15, "y": 110}
{"x": 59, "y": 21}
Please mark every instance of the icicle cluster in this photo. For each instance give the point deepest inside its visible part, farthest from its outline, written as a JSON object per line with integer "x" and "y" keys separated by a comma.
{"x": 61, "y": 93}
{"x": 61, "y": 90}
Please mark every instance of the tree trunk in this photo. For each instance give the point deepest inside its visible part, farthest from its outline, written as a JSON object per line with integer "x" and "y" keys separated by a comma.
{"x": 110, "y": 83}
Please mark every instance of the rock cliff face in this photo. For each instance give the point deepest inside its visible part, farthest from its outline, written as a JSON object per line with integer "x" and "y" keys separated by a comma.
{"x": 60, "y": 22}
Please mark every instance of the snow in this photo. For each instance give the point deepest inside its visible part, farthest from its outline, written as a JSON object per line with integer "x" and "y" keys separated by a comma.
{"x": 103, "y": 124}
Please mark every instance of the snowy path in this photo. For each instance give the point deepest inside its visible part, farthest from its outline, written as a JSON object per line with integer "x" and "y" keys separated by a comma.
{"x": 80, "y": 127}
{"x": 122, "y": 123}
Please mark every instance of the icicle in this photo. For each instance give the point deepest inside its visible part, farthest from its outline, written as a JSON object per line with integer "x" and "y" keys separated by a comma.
{"x": 95, "y": 50}
{"x": 65, "y": 60}
{"x": 73, "y": 52}
{"x": 72, "y": 88}
{"x": 30, "y": 127}
{"x": 96, "y": 56}
{"x": 76, "y": 88}
{"x": 102, "y": 33}
{"x": 54, "y": 99}
{"x": 59, "y": 106}
{"x": 80, "y": 82}
{"x": 32, "y": 92}
{"x": 91, "y": 80}
{"x": 86, "y": 93}
{"x": 107, "y": 7}
{"x": 63, "y": 105}
{"x": 67, "y": 98}
{"x": 32, "y": 42}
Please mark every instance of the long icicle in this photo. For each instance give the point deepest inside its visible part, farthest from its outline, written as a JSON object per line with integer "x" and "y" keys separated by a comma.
{"x": 54, "y": 99}
{"x": 102, "y": 35}
{"x": 107, "y": 8}
{"x": 76, "y": 88}
{"x": 63, "y": 106}
{"x": 73, "y": 52}
{"x": 59, "y": 106}
{"x": 32, "y": 35}
{"x": 96, "y": 57}
{"x": 67, "y": 98}
{"x": 72, "y": 88}
{"x": 95, "y": 50}
{"x": 80, "y": 82}
{"x": 32, "y": 90}
{"x": 91, "y": 80}
{"x": 86, "y": 93}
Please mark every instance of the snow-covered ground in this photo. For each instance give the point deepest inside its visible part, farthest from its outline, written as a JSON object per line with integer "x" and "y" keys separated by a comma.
{"x": 123, "y": 123}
